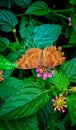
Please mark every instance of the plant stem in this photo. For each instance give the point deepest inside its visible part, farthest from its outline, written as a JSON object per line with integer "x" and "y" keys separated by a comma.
{"x": 56, "y": 11}
{"x": 15, "y": 36}
{"x": 60, "y": 15}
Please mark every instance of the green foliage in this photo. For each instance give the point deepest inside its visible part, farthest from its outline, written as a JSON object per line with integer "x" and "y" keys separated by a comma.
{"x": 6, "y": 64}
{"x": 46, "y": 34}
{"x": 27, "y": 102}
{"x": 22, "y": 99}
{"x": 69, "y": 69}
{"x": 26, "y": 27}
{"x": 38, "y": 8}
{"x": 71, "y": 104}
{"x": 4, "y": 42}
{"x": 28, "y": 123}
{"x": 60, "y": 81}
{"x": 72, "y": 38}
{"x": 73, "y": 2}
{"x": 6, "y": 3}
{"x": 7, "y": 20}
{"x": 22, "y": 3}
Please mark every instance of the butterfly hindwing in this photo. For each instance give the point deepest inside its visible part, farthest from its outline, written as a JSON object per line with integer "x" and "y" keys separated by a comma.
{"x": 31, "y": 59}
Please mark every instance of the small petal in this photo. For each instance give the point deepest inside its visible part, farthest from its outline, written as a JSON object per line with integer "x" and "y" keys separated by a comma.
{"x": 39, "y": 75}
{"x": 52, "y": 72}
{"x": 38, "y": 69}
{"x": 50, "y": 75}
{"x": 69, "y": 19}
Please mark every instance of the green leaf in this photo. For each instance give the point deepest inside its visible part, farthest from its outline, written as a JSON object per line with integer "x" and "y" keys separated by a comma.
{"x": 73, "y": 38}
{"x": 6, "y": 64}
{"x": 38, "y": 8}
{"x": 22, "y": 99}
{"x": 4, "y": 42}
{"x": 29, "y": 123}
{"x": 73, "y": 17}
{"x": 6, "y": 3}
{"x": 69, "y": 68}
{"x": 60, "y": 81}
{"x": 44, "y": 115}
{"x": 26, "y": 27}
{"x": 22, "y": 3}
{"x": 73, "y": 2}
{"x": 7, "y": 20}
{"x": 45, "y": 35}
{"x": 71, "y": 105}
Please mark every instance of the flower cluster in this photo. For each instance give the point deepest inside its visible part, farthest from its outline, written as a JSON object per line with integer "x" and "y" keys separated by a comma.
{"x": 69, "y": 20}
{"x": 1, "y": 76}
{"x": 59, "y": 103}
{"x": 44, "y": 72}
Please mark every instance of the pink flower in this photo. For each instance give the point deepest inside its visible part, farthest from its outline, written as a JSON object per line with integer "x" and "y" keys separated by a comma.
{"x": 38, "y": 69}
{"x": 69, "y": 20}
{"x": 39, "y": 74}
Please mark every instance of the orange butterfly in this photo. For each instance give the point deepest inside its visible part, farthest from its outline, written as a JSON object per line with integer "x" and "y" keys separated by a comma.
{"x": 35, "y": 57}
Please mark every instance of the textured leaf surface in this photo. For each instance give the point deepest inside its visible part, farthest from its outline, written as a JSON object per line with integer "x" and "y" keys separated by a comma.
{"x": 30, "y": 123}
{"x": 26, "y": 27}
{"x": 70, "y": 69}
{"x": 22, "y": 3}
{"x": 38, "y": 8}
{"x": 21, "y": 100}
{"x": 4, "y": 42}
{"x": 7, "y": 20}
{"x": 60, "y": 81}
{"x": 45, "y": 35}
{"x": 6, "y": 64}
{"x": 71, "y": 105}
{"x": 6, "y": 3}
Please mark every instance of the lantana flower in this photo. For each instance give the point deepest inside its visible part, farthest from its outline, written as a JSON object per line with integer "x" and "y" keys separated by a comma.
{"x": 1, "y": 75}
{"x": 59, "y": 103}
{"x": 44, "y": 72}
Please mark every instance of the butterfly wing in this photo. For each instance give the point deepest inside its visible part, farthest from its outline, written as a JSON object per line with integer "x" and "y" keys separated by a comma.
{"x": 31, "y": 59}
{"x": 52, "y": 57}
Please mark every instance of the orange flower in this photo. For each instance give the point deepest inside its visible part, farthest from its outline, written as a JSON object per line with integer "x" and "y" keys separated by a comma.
{"x": 59, "y": 103}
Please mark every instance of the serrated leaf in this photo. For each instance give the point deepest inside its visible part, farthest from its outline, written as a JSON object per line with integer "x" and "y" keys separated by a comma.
{"x": 26, "y": 27}
{"x": 5, "y": 64}
{"x": 46, "y": 34}
{"x": 71, "y": 105}
{"x": 60, "y": 80}
{"x": 38, "y": 8}
{"x": 22, "y": 3}
{"x": 23, "y": 100}
{"x": 69, "y": 68}
{"x": 7, "y": 20}
{"x": 4, "y": 42}
{"x": 29, "y": 123}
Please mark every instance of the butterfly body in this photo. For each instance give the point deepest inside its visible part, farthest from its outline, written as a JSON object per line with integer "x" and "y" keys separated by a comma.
{"x": 35, "y": 57}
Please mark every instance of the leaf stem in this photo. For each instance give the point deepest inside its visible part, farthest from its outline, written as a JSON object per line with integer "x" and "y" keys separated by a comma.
{"x": 56, "y": 11}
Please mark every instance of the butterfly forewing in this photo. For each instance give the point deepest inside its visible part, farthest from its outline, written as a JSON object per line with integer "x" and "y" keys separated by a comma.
{"x": 31, "y": 59}
{"x": 52, "y": 57}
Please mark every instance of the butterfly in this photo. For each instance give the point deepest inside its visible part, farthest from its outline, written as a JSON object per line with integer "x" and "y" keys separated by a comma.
{"x": 49, "y": 57}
